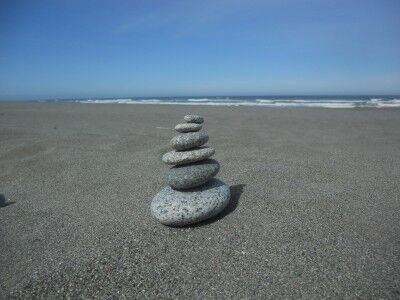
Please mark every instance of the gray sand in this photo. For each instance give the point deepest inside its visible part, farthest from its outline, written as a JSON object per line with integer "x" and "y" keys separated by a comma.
{"x": 315, "y": 209}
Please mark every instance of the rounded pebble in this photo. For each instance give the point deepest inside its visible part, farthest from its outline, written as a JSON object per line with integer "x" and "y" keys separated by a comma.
{"x": 184, "y": 157}
{"x": 193, "y": 119}
{"x": 188, "y": 127}
{"x": 189, "y": 140}
{"x": 178, "y": 208}
{"x": 192, "y": 175}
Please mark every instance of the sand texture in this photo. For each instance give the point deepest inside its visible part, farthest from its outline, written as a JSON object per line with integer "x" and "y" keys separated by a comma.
{"x": 315, "y": 208}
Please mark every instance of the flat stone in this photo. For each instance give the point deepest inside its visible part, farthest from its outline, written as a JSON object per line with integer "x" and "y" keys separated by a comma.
{"x": 185, "y": 157}
{"x": 178, "y": 208}
{"x": 192, "y": 175}
{"x": 189, "y": 140}
{"x": 188, "y": 127}
{"x": 193, "y": 119}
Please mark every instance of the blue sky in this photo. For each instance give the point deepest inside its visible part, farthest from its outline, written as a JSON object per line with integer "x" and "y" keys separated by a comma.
{"x": 79, "y": 49}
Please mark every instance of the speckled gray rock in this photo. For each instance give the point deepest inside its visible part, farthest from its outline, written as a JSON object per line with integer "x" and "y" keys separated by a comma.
{"x": 178, "y": 208}
{"x": 189, "y": 140}
{"x": 188, "y": 127}
{"x": 193, "y": 119}
{"x": 192, "y": 175}
{"x": 184, "y": 157}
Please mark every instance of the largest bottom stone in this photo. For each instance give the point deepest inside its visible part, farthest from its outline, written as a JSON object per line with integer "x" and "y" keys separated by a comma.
{"x": 178, "y": 208}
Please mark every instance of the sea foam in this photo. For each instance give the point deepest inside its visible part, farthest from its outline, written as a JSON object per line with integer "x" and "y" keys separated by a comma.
{"x": 312, "y": 102}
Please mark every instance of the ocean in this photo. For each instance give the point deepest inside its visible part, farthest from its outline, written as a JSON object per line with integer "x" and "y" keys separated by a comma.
{"x": 262, "y": 101}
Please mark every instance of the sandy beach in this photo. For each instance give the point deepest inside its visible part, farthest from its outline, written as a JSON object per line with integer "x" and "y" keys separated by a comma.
{"x": 315, "y": 208}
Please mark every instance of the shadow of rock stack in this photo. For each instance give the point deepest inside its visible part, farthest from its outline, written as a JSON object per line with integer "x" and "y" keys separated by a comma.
{"x": 193, "y": 194}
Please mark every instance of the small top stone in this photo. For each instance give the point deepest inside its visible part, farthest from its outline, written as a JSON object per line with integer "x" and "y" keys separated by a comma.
{"x": 193, "y": 119}
{"x": 188, "y": 127}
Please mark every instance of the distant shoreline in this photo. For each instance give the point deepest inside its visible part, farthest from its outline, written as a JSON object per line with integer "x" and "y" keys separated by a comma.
{"x": 257, "y": 101}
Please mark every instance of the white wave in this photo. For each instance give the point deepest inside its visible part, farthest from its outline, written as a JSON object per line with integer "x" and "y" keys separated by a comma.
{"x": 388, "y": 104}
{"x": 265, "y": 100}
{"x": 307, "y": 100}
{"x": 214, "y": 103}
{"x": 198, "y": 99}
{"x": 379, "y": 103}
{"x": 324, "y": 100}
{"x": 330, "y": 104}
{"x": 209, "y": 100}
{"x": 259, "y": 102}
{"x": 311, "y": 104}
{"x": 121, "y": 101}
{"x": 98, "y": 101}
{"x": 149, "y": 100}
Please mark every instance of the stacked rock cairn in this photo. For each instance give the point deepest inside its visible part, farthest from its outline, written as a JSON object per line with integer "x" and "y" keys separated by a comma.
{"x": 192, "y": 194}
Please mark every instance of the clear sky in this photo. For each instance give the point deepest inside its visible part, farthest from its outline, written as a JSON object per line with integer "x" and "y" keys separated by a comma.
{"x": 93, "y": 48}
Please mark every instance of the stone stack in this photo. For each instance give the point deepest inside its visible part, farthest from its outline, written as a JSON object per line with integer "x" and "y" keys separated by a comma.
{"x": 192, "y": 194}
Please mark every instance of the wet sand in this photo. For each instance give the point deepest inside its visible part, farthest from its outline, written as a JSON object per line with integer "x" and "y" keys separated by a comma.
{"x": 315, "y": 209}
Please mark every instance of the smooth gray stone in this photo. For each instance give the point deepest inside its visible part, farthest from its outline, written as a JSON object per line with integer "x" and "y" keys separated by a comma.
{"x": 185, "y": 157}
{"x": 189, "y": 140}
{"x": 188, "y": 127}
{"x": 192, "y": 175}
{"x": 193, "y": 119}
{"x": 178, "y": 208}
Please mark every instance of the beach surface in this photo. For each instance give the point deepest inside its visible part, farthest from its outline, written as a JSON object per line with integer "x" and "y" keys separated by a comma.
{"x": 315, "y": 208}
